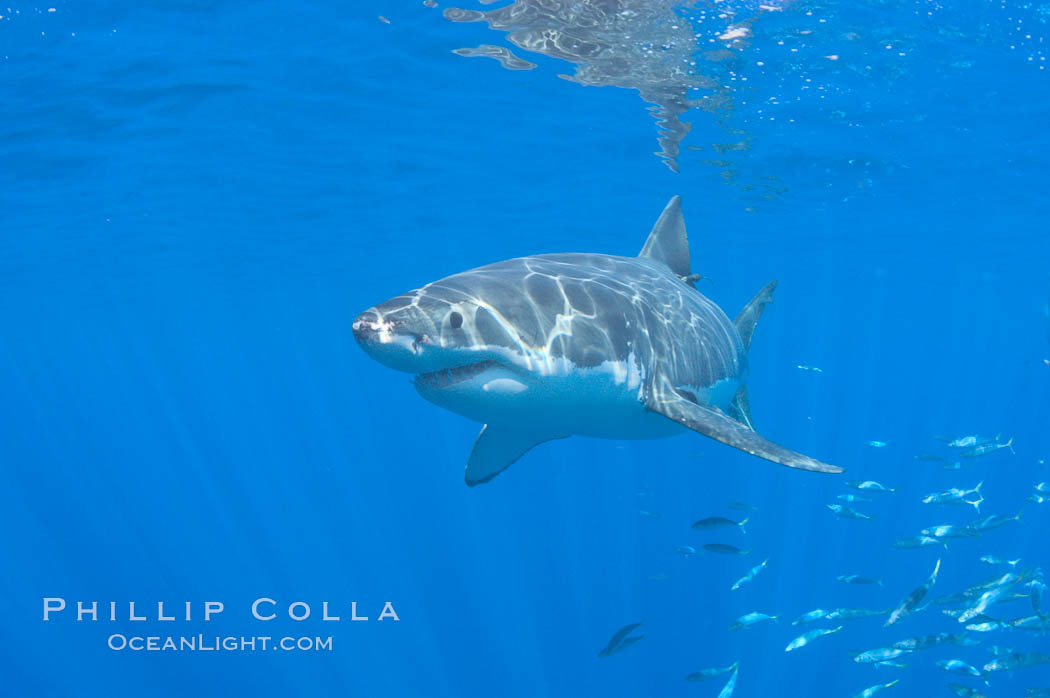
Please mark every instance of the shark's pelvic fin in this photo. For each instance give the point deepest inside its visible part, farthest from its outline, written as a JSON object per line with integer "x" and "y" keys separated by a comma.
{"x": 740, "y": 408}
{"x": 496, "y": 449}
{"x": 718, "y": 426}
{"x": 748, "y": 318}
{"x": 667, "y": 242}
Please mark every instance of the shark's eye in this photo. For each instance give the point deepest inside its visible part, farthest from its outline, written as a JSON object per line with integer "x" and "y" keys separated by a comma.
{"x": 456, "y": 320}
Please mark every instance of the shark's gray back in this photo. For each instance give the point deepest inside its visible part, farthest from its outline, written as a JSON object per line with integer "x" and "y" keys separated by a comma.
{"x": 593, "y": 308}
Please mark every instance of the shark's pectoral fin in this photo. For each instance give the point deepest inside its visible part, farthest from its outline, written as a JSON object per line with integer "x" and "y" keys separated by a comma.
{"x": 713, "y": 423}
{"x": 496, "y": 449}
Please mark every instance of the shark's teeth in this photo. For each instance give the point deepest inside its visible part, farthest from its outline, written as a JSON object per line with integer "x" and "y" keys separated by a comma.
{"x": 450, "y": 376}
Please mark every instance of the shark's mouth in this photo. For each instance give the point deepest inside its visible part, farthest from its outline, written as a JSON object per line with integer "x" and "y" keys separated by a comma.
{"x": 435, "y": 380}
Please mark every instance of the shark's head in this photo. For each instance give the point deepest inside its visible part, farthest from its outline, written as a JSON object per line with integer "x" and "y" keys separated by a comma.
{"x": 418, "y": 332}
{"x": 454, "y": 333}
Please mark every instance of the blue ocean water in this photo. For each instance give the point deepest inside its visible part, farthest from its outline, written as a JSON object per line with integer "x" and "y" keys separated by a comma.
{"x": 198, "y": 198}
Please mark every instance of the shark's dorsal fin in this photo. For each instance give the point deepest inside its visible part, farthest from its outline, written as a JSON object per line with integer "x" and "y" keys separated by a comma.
{"x": 667, "y": 242}
{"x": 748, "y": 318}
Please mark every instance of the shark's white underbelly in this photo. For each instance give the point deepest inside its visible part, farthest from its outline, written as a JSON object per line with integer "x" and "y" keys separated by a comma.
{"x": 604, "y": 402}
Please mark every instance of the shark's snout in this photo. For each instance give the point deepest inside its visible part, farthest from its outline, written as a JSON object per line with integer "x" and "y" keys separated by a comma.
{"x": 400, "y": 339}
{"x": 366, "y": 327}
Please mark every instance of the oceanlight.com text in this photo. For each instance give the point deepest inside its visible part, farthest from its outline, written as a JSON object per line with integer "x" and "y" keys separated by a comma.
{"x": 217, "y": 643}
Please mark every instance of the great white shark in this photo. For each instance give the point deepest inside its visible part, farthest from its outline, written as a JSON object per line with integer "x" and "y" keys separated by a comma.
{"x": 544, "y": 347}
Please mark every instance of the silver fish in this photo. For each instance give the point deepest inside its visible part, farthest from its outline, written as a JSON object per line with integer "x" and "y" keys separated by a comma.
{"x": 749, "y": 576}
{"x": 949, "y": 531}
{"x": 1036, "y": 587}
{"x": 985, "y": 449}
{"x": 805, "y": 618}
{"x": 996, "y": 560}
{"x": 712, "y": 523}
{"x": 956, "y": 495}
{"x": 1036, "y": 624}
{"x": 870, "y": 485}
{"x": 872, "y": 690}
{"x": 964, "y": 640}
{"x": 980, "y": 587}
{"x": 857, "y": 579}
{"x": 919, "y": 542}
{"x": 844, "y": 512}
{"x": 751, "y": 619}
{"x": 957, "y": 666}
{"x": 915, "y": 597}
{"x": 985, "y": 627}
{"x": 992, "y": 522}
{"x": 730, "y": 686}
{"x": 723, "y": 549}
{"x": 971, "y": 441}
{"x": 994, "y": 594}
{"x": 705, "y": 674}
{"x": 808, "y": 637}
{"x": 854, "y": 613}
{"x": 920, "y": 643}
{"x": 1017, "y": 660}
{"x": 880, "y": 655}
{"x": 621, "y": 640}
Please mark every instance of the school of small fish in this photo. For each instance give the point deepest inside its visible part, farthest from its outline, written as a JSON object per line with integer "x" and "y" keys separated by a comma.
{"x": 986, "y": 606}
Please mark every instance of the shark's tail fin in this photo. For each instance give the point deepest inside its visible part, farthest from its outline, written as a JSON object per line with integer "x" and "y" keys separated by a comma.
{"x": 745, "y": 323}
